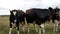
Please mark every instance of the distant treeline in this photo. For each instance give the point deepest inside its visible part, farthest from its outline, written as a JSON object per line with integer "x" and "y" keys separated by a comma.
{"x": 4, "y": 15}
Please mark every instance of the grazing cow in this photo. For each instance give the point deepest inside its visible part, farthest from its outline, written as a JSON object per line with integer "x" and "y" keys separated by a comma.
{"x": 16, "y": 16}
{"x": 40, "y": 16}
{"x": 37, "y": 15}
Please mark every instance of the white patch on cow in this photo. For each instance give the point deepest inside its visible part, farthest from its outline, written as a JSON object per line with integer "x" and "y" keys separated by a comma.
{"x": 12, "y": 23}
{"x": 55, "y": 21}
{"x": 42, "y": 25}
{"x": 10, "y": 30}
{"x": 15, "y": 20}
{"x": 17, "y": 32}
{"x": 14, "y": 13}
{"x": 43, "y": 29}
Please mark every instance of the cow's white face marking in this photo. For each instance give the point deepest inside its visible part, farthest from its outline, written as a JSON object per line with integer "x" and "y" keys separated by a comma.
{"x": 15, "y": 20}
{"x": 14, "y": 13}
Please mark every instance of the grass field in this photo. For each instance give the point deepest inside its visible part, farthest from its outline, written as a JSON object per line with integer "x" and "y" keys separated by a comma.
{"x": 4, "y": 27}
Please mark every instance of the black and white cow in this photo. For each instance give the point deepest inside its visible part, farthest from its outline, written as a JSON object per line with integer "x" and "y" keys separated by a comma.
{"x": 16, "y": 17}
{"x": 14, "y": 20}
{"x": 40, "y": 16}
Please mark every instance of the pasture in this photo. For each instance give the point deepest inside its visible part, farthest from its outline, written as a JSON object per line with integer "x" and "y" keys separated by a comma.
{"x": 4, "y": 27}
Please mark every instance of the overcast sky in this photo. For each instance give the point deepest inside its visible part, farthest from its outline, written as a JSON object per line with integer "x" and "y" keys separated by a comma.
{"x": 5, "y": 5}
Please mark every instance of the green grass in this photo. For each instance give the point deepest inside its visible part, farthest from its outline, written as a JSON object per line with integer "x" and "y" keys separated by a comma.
{"x": 4, "y": 27}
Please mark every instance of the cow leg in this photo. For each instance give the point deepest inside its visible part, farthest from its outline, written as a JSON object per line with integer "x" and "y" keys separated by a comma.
{"x": 17, "y": 28}
{"x": 42, "y": 28}
{"x": 23, "y": 27}
{"x": 28, "y": 29}
{"x": 10, "y": 28}
{"x": 54, "y": 27}
{"x": 36, "y": 28}
{"x": 56, "y": 23}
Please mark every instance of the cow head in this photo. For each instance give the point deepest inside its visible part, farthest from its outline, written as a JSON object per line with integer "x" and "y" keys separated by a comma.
{"x": 50, "y": 9}
{"x": 13, "y": 12}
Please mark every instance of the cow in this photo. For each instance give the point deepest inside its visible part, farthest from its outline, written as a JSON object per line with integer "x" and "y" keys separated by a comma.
{"x": 16, "y": 17}
{"x": 40, "y": 16}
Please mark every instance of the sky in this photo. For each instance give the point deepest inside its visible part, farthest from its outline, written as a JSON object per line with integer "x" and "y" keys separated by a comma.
{"x": 5, "y": 5}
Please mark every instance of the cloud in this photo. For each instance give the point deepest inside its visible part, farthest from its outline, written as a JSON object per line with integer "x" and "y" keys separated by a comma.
{"x": 26, "y": 4}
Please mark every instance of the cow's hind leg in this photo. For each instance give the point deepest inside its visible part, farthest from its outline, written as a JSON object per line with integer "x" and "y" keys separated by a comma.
{"x": 10, "y": 28}
{"x": 36, "y": 28}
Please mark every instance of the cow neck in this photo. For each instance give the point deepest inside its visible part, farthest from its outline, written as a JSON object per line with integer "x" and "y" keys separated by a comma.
{"x": 51, "y": 13}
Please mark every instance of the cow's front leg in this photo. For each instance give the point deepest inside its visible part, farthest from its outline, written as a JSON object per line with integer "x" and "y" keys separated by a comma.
{"x": 17, "y": 28}
{"x": 10, "y": 28}
{"x": 35, "y": 27}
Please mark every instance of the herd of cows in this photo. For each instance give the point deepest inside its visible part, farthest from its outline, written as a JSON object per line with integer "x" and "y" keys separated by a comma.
{"x": 36, "y": 16}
